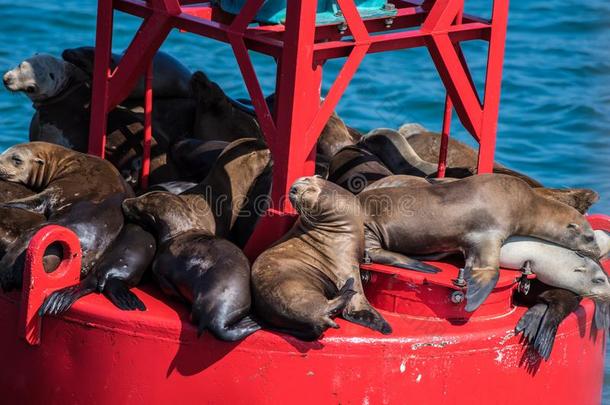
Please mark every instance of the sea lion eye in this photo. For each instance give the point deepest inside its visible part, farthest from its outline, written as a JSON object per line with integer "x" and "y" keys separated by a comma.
{"x": 52, "y": 76}
{"x": 573, "y": 226}
{"x": 17, "y": 160}
{"x": 598, "y": 280}
{"x": 30, "y": 89}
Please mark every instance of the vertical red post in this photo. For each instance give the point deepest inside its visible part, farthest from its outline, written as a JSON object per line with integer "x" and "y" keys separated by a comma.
{"x": 101, "y": 75}
{"x": 442, "y": 158}
{"x": 493, "y": 84}
{"x": 298, "y": 89}
{"x": 148, "y": 108}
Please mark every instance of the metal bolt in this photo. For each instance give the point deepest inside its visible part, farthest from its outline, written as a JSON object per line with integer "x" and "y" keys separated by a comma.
{"x": 524, "y": 286}
{"x": 388, "y": 22}
{"x": 460, "y": 281}
{"x": 457, "y": 297}
{"x": 389, "y": 6}
{"x": 342, "y": 28}
{"x": 367, "y": 258}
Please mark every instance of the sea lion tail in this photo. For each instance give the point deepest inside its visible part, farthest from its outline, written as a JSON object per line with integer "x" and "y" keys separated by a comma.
{"x": 337, "y": 304}
{"x": 119, "y": 294}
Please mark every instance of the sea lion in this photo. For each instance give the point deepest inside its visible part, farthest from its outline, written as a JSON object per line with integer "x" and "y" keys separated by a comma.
{"x": 228, "y": 187}
{"x": 61, "y": 176}
{"x": 396, "y": 153}
{"x": 191, "y": 264}
{"x": 313, "y": 273}
{"x": 194, "y": 158}
{"x": 119, "y": 269}
{"x": 354, "y": 168}
{"x": 459, "y": 155}
{"x": 216, "y": 118}
{"x": 170, "y": 77}
{"x": 474, "y": 216}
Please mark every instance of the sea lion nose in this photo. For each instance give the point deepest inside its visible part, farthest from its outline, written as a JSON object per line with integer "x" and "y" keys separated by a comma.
{"x": 7, "y": 79}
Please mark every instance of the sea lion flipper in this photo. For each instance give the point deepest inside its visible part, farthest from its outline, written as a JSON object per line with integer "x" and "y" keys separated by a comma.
{"x": 530, "y": 322}
{"x": 62, "y": 300}
{"x": 383, "y": 256}
{"x": 545, "y": 338}
{"x": 481, "y": 281}
{"x": 36, "y": 204}
{"x": 337, "y": 304}
{"x": 119, "y": 294}
{"x": 602, "y": 315}
{"x": 368, "y": 317}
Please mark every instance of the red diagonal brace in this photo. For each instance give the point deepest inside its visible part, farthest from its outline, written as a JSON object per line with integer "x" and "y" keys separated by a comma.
{"x": 139, "y": 54}
{"x": 442, "y": 15}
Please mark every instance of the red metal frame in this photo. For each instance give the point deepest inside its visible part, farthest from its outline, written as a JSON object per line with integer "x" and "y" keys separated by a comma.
{"x": 301, "y": 49}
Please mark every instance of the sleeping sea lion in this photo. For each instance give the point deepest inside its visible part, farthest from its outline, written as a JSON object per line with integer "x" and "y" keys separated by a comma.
{"x": 474, "y": 216}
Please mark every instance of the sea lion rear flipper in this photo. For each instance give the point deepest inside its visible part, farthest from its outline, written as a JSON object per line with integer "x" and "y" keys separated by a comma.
{"x": 36, "y": 204}
{"x": 337, "y": 304}
{"x": 119, "y": 294}
{"x": 530, "y": 322}
{"x": 480, "y": 281}
{"x": 245, "y": 327}
{"x": 382, "y": 256}
{"x": 602, "y": 315}
{"x": 61, "y": 300}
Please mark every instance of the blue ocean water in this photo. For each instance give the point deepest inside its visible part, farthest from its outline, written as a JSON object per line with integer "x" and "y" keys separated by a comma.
{"x": 555, "y": 113}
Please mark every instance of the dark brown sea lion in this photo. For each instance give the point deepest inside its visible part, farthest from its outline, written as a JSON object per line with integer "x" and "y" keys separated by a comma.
{"x": 474, "y": 216}
{"x": 579, "y": 198}
{"x": 354, "y": 168}
{"x": 313, "y": 273}
{"x": 227, "y": 188}
{"x": 194, "y": 158}
{"x": 216, "y": 118}
{"x": 60, "y": 176}
{"x": 396, "y": 153}
{"x": 119, "y": 269}
{"x": 208, "y": 272}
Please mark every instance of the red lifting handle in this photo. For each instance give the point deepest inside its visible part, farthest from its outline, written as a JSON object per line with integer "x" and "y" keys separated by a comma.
{"x": 38, "y": 284}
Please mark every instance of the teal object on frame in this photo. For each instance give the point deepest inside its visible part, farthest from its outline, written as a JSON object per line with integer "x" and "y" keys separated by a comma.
{"x": 329, "y": 12}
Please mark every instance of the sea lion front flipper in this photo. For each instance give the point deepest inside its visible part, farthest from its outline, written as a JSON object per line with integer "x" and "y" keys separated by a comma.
{"x": 62, "y": 300}
{"x": 480, "y": 283}
{"x": 382, "y": 256}
{"x": 337, "y": 304}
{"x": 602, "y": 315}
{"x": 119, "y": 294}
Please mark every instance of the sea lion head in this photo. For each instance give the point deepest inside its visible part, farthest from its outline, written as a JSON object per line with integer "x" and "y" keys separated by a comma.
{"x": 32, "y": 164}
{"x": 319, "y": 201}
{"x": 576, "y": 233}
{"x": 164, "y": 213}
{"x": 588, "y": 280}
{"x": 40, "y": 77}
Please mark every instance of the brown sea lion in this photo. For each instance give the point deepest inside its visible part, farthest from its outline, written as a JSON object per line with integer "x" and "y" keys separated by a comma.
{"x": 191, "y": 264}
{"x": 313, "y": 273}
{"x": 474, "y": 216}
{"x": 60, "y": 175}
{"x": 119, "y": 269}
{"x": 216, "y": 118}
